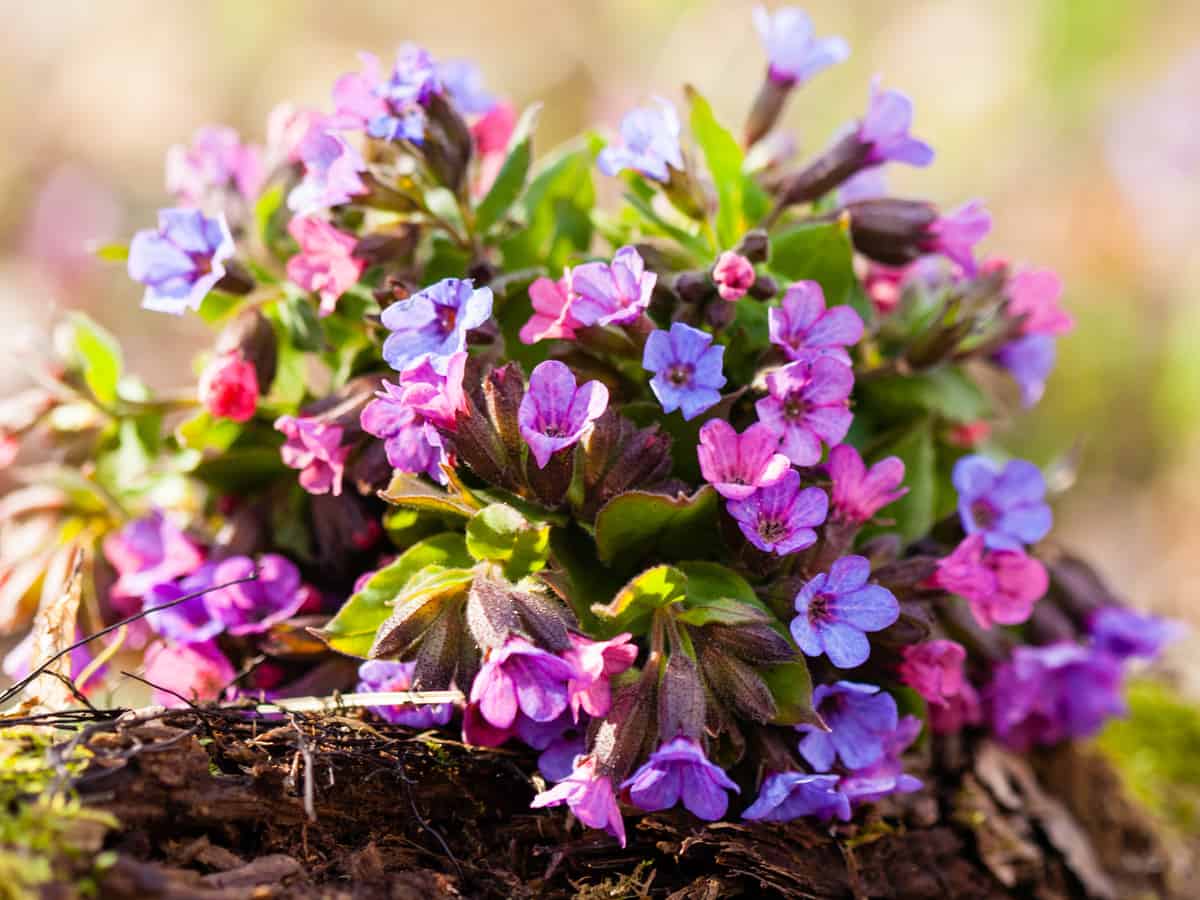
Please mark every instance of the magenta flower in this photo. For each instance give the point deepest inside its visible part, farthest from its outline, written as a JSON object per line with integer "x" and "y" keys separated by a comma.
{"x": 792, "y": 795}
{"x": 1033, "y": 297}
{"x": 379, "y": 675}
{"x": 195, "y": 671}
{"x": 808, "y": 402}
{"x": 836, "y": 609}
{"x": 316, "y": 450}
{"x": 552, "y": 316}
{"x": 216, "y": 161}
{"x": 555, "y": 414}
{"x": 356, "y": 100}
{"x": 589, "y": 796}
{"x": 860, "y": 717}
{"x": 433, "y": 323}
{"x": 190, "y": 622}
{"x": 325, "y": 264}
{"x": 956, "y": 234}
{"x": 611, "y": 294}
{"x": 1001, "y": 586}
{"x": 737, "y": 465}
{"x": 521, "y": 678}
{"x": 934, "y": 669}
{"x": 1007, "y": 505}
{"x": 332, "y": 172}
{"x": 793, "y": 54}
{"x": 956, "y": 712}
{"x": 733, "y": 275}
{"x": 679, "y": 770}
{"x": 1029, "y": 360}
{"x": 686, "y": 367}
{"x": 149, "y": 551}
{"x": 804, "y": 329}
{"x": 780, "y": 517}
{"x": 649, "y": 144}
{"x": 595, "y": 663}
{"x": 1123, "y": 633}
{"x": 858, "y": 492}
{"x": 19, "y": 662}
{"x": 228, "y": 387}
{"x": 252, "y": 607}
{"x": 180, "y": 261}
{"x": 884, "y": 129}
{"x": 412, "y": 444}
{"x": 491, "y": 133}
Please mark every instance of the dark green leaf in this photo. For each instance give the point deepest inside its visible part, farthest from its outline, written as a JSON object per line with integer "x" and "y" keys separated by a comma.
{"x": 511, "y": 179}
{"x": 204, "y": 433}
{"x": 946, "y": 391}
{"x": 791, "y": 686}
{"x": 915, "y": 512}
{"x": 638, "y": 524}
{"x": 298, "y": 316}
{"x": 635, "y": 603}
{"x": 821, "y": 252}
{"x": 724, "y": 158}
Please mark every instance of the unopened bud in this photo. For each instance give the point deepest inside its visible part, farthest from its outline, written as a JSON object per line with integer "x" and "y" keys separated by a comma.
{"x": 694, "y": 287}
{"x": 738, "y": 685}
{"x": 890, "y": 230}
{"x": 681, "y": 699}
{"x": 755, "y": 246}
{"x": 764, "y": 288}
{"x": 448, "y": 143}
{"x": 833, "y": 167}
{"x": 768, "y": 104}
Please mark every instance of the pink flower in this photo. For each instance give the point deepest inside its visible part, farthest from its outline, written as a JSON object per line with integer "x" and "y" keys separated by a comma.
{"x": 229, "y": 387}
{"x": 149, "y": 551}
{"x": 859, "y": 492}
{"x": 551, "y": 311}
{"x": 737, "y": 465}
{"x": 595, "y": 662}
{"x": 316, "y": 450}
{"x": 287, "y": 126}
{"x": 803, "y": 328}
{"x": 194, "y": 671}
{"x": 1002, "y": 586}
{"x": 1034, "y": 295}
{"x": 216, "y": 160}
{"x": 733, "y": 275}
{"x": 969, "y": 434}
{"x": 589, "y": 796}
{"x": 325, "y": 263}
{"x": 958, "y": 711}
{"x": 494, "y": 128}
{"x": 934, "y": 669}
{"x": 356, "y": 99}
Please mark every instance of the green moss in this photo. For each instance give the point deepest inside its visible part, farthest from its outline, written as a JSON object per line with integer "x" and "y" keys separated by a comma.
{"x": 1157, "y": 750}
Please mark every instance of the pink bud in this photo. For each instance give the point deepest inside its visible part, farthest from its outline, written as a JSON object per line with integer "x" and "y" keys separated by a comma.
{"x": 229, "y": 388}
{"x": 733, "y": 275}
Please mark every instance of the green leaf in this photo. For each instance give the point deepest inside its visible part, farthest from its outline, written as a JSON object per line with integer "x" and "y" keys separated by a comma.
{"x": 590, "y": 582}
{"x": 724, "y": 158}
{"x": 446, "y": 260}
{"x": 745, "y": 340}
{"x": 632, "y": 608}
{"x": 657, "y": 224}
{"x": 821, "y": 252}
{"x": 946, "y": 391}
{"x": 242, "y": 469}
{"x": 791, "y": 686}
{"x": 411, "y": 492}
{"x": 500, "y": 534}
{"x": 511, "y": 179}
{"x": 217, "y": 305}
{"x": 299, "y": 318}
{"x": 207, "y": 434}
{"x": 265, "y": 209}
{"x": 719, "y": 595}
{"x": 637, "y": 524}
{"x": 99, "y": 355}
{"x": 915, "y": 512}
{"x": 112, "y": 252}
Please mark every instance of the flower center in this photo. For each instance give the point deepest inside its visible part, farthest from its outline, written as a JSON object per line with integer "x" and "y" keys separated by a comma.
{"x": 552, "y": 430}
{"x": 447, "y": 317}
{"x": 772, "y": 530}
{"x": 818, "y": 609}
{"x": 984, "y": 514}
{"x": 794, "y": 406}
{"x": 680, "y": 374}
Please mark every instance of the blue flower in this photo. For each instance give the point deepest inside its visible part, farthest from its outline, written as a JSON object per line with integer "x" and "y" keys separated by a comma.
{"x": 686, "y": 367}
{"x": 861, "y": 720}
{"x": 433, "y": 323}
{"x": 649, "y": 144}
{"x": 789, "y": 795}
{"x": 1007, "y": 505}
{"x": 181, "y": 260}
{"x": 835, "y": 610}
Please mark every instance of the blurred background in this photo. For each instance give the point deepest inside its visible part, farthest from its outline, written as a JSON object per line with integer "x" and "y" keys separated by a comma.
{"x": 1077, "y": 121}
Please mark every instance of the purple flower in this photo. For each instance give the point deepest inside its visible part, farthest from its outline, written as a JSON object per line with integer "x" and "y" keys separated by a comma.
{"x": 316, "y": 450}
{"x": 252, "y": 607}
{"x": 956, "y": 234}
{"x": 885, "y": 130}
{"x": 332, "y": 172}
{"x": 804, "y": 329}
{"x": 412, "y": 444}
{"x": 216, "y": 161}
{"x": 679, "y": 770}
{"x": 519, "y": 677}
{"x": 611, "y": 294}
{"x": 649, "y": 144}
{"x": 1029, "y": 360}
{"x": 19, "y": 661}
{"x": 149, "y": 551}
{"x": 737, "y": 465}
{"x": 590, "y": 796}
{"x": 793, "y": 54}
{"x": 836, "y": 609}
{"x": 1043, "y": 695}
{"x": 595, "y": 663}
{"x": 463, "y": 81}
{"x": 869, "y": 184}
{"x": 780, "y": 517}
{"x": 733, "y": 275}
{"x": 1033, "y": 297}
{"x": 356, "y": 100}
{"x": 379, "y": 675}
{"x": 413, "y": 81}
{"x": 559, "y": 740}
{"x": 181, "y": 260}
{"x": 686, "y": 367}
{"x": 1007, "y": 505}
{"x": 886, "y": 775}
{"x": 554, "y": 413}
{"x": 807, "y": 402}
{"x": 859, "y": 492}
{"x": 433, "y": 323}
{"x": 190, "y": 622}
{"x": 860, "y": 719}
{"x": 791, "y": 795}
{"x": 1124, "y": 633}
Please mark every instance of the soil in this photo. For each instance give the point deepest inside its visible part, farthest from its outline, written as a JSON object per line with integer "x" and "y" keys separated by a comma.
{"x": 212, "y": 804}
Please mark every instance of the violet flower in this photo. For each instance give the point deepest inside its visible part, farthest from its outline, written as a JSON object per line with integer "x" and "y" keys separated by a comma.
{"x": 252, "y": 607}
{"x": 1001, "y": 586}
{"x": 332, "y": 172}
{"x": 1007, "y": 505}
{"x": 780, "y": 517}
{"x": 807, "y": 402}
{"x": 884, "y": 129}
{"x": 149, "y": 551}
{"x": 869, "y": 184}
{"x": 19, "y": 662}
{"x": 649, "y": 143}
{"x": 886, "y": 775}
{"x": 193, "y": 671}
{"x": 1029, "y": 360}
{"x": 793, "y": 54}
{"x": 590, "y": 797}
{"x": 552, "y": 317}
{"x": 463, "y": 81}
{"x": 433, "y": 323}
{"x": 217, "y": 160}
{"x": 180, "y": 261}
{"x": 594, "y": 664}
{"x": 737, "y": 465}
{"x": 412, "y": 444}
{"x": 326, "y": 264}
{"x": 190, "y": 622}
{"x": 934, "y": 669}
{"x": 860, "y": 718}
{"x": 785, "y": 796}
{"x": 1124, "y": 634}
{"x": 680, "y": 770}
{"x": 686, "y": 367}
{"x": 554, "y": 413}
{"x": 615, "y": 293}
{"x": 955, "y": 235}
{"x": 379, "y": 675}
{"x": 804, "y": 329}
{"x": 356, "y": 100}
{"x": 836, "y": 609}
{"x": 518, "y": 677}
{"x": 733, "y": 275}
{"x": 316, "y": 450}
{"x": 1033, "y": 297}
{"x": 858, "y": 492}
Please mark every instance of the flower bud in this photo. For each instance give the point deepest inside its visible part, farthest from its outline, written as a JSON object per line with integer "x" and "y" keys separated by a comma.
{"x": 768, "y": 104}
{"x": 491, "y": 615}
{"x": 738, "y": 685}
{"x": 694, "y": 287}
{"x": 826, "y": 172}
{"x": 755, "y": 246}
{"x": 617, "y": 740}
{"x": 448, "y": 143}
{"x": 733, "y": 275}
{"x": 764, "y": 288}
{"x": 503, "y": 390}
{"x": 382, "y": 247}
{"x": 251, "y": 336}
{"x": 437, "y": 657}
{"x": 889, "y": 230}
{"x": 681, "y": 699}
{"x": 228, "y": 388}
{"x": 756, "y": 643}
